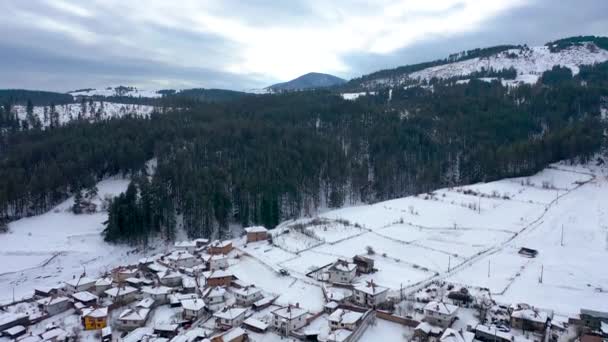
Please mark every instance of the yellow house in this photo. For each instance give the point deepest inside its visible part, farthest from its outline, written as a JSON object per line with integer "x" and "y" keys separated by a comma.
{"x": 94, "y": 319}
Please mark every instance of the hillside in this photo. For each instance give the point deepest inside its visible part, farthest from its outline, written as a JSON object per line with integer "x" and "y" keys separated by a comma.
{"x": 528, "y": 63}
{"x": 311, "y": 80}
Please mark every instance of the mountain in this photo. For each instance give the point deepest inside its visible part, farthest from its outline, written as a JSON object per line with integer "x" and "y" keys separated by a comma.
{"x": 309, "y": 81}
{"x": 511, "y": 64}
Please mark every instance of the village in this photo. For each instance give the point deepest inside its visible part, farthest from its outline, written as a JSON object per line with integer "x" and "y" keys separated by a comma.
{"x": 194, "y": 293}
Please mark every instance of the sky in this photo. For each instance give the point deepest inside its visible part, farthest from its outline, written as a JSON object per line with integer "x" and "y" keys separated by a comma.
{"x": 62, "y": 45}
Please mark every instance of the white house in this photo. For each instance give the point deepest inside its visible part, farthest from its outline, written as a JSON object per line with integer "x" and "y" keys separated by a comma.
{"x": 121, "y": 274}
{"x": 214, "y": 295}
{"x": 54, "y": 305}
{"x": 342, "y": 271}
{"x": 181, "y": 259}
{"x": 187, "y": 246}
{"x": 289, "y": 318}
{"x": 193, "y": 309}
{"x": 85, "y": 297}
{"x": 229, "y": 318}
{"x": 345, "y": 319}
{"x": 369, "y": 294}
{"x": 160, "y": 294}
{"x": 102, "y": 284}
{"x": 247, "y": 295}
{"x": 216, "y": 262}
{"x": 125, "y": 294}
{"x": 451, "y": 335}
{"x": 133, "y": 318}
{"x": 440, "y": 314}
{"x": 79, "y": 284}
{"x": 170, "y": 278}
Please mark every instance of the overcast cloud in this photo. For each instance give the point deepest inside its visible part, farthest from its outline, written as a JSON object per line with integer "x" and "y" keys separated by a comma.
{"x": 63, "y": 44}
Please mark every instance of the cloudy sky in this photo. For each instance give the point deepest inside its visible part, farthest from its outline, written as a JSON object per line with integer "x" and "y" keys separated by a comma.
{"x": 241, "y": 44}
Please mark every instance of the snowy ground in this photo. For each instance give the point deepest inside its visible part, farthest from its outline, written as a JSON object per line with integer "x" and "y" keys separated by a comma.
{"x": 50, "y": 248}
{"x": 69, "y": 112}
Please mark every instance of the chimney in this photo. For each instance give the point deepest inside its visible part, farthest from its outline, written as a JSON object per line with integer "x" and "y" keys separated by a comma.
{"x": 298, "y": 305}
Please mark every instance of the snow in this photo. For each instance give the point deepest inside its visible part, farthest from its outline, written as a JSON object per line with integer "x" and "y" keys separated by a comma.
{"x": 530, "y": 64}
{"x": 354, "y": 96}
{"x": 48, "y": 249}
{"x": 112, "y": 91}
{"x": 69, "y": 112}
{"x": 383, "y": 330}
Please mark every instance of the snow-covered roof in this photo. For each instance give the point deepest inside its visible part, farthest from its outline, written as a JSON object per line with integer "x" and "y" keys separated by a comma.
{"x": 145, "y": 303}
{"x": 256, "y": 323}
{"x": 95, "y": 313}
{"x": 158, "y": 290}
{"x": 290, "y": 312}
{"x": 339, "y": 335}
{"x": 331, "y": 305}
{"x": 264, "y": 301}
{"x": 193, "y": 304}
{"x": 230, "y": 313}
{"x": 56, "y": 334}
{"x": 215, "y": 291}
{"x": 441, "y": 308}
{"x": 15, "y": 330}
{"x": 120, "y": 291}
{"x": 80, "y": 281}
{"x": 604, "y": 328}
{"x": 185, "y": 244}
{"x": 232, "y": 334}
{"x": 103, "y": 282}
{"x": 345, "y": 316}
{"x": 180, "y": 255}
{"x": 428, "y": 328}
{"x": 138, "y": 334}
{"x": 531, "y": 315}
{"x": 343, "y": 266}
{"x": 169, "y": 274}
{"x": 52, "y": 300}
{"x": 84, "y": 296}
{"x": 247, "y": 291}
{"x": 217, "y": 274}
{"x": 371, "y": 289}
{"x": 156, "y": 267}
{"x": 451, "y": 335}
{"x": 256, "y": 229}
{"x": 220, "y": 244}
{"x": 139, "y": 314}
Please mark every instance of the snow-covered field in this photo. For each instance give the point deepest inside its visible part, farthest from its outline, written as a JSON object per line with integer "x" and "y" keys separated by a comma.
{"x": 113, "y": 91}
{"x": 99, "y": 110}
{"x": 48, "y": 249}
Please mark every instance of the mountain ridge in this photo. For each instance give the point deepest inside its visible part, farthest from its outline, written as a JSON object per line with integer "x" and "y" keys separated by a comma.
{"x": 311, "y": 80}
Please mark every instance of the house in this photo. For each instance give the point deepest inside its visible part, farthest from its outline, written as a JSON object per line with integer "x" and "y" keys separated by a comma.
{"x": 263, "y": 303}
{"x": 229, "y": 318}
{"x": 424, "y": 332}
{"x": 166, "y": 330}
{"x": 55, "y": 304}
{"x": 218, "y": 278}
{"x": 492, "y": 334}
{"x": 160, "y": 294}
{"x": 451, "y": 335}
{"x": 247, "y": 295}
{"x": 14, "y": 332}
{"x": 156, "y": 267}
{"x": 289, "y": 318}
{"x": 364, "y": 264}
{"x": 528, "y": 252}
{"x": 214, "y": 295}
{"x": 187, "y": 246}
{"x": 85, "y": 297}
{"x": 193, "y": 309}
{"x": 200, "y": 242}
{"x": 175, "y": 300}
{"x": 342, "y": 272}
{"x": 345, "y": 319}
{"x": 120, "y": 274}
{"x": 146, "y": 303}
{"x": 94, "y": 319}
{"x": 216, "y": 262}
{"x": 220, "y": 247}
{"x": 101, "y": 285}
{"x": 133, "y": 318}
{"x": 530, "y": 320}
{"x": 257, "y": 233}
{"x": 170, "y": 278}
{"x": 233, "y": 335}
{"x": 55, "y": 335}
{"x": 255, "y": 325}
{"x": 9, "y": 320}
{"x": 44, "y": 291}
{"x": 440, "y": 314}
{"x": 79, "y": 284}
{"x": 593, "y": 319}
{"x": 179, "y": 259}
{"x": 138, "y": 282}
{"x": 124, "y": 294}
{"x": 369, "y": 294}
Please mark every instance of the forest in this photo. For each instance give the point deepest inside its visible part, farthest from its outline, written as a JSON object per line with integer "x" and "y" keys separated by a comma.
{"x": 262, "y": 159}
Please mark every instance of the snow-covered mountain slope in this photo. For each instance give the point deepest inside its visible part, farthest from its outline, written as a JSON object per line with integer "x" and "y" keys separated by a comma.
{"x": 98, "y": 111}
{"x": 117, "y": 91}
{"x": 529, "y": 63}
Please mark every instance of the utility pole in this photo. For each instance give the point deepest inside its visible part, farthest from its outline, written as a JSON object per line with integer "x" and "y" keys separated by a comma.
{"x": 449, "y": 262}
{"x": 488, "y": 268}
{"x": 562, "y": 240}
{"x": 479, "y": 205}
{"x": 540, "y": 280}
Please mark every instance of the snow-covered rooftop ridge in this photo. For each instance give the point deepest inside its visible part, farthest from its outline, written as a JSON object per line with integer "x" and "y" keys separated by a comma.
{"x": 230, "y": 313}
{"x": 442, "y": 308}
{"x": 256, "y": 229}
{"x": 530, "y": 61}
